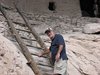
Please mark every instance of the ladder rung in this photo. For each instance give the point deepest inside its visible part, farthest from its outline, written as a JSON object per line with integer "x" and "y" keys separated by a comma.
{"x": 37, "y": 55}
{"x": 44, "y": 65}
{"x": 33, "y": 46}
{"x": 24, "y": 30}
{"x": 28, "y": 39}
{"x": 21, "y": 24}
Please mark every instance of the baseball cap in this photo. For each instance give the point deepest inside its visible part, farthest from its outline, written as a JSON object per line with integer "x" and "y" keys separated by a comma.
{"x": 48, "y": 30}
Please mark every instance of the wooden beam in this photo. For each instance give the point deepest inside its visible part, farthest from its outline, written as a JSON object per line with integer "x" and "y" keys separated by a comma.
{"x": 37, "y": 55}
{"x": 24, "y": 50}
{"x": 44, "y": 65}
{"x": 18, "y": 23}
{"x": 29, "y": 45}
{"x": 35, "y": 34}
{"x": 33, "y": 46}
{"x": 22, "y": 24}
{"x": 23, "y": 30}
{"x": 28, "y": 39}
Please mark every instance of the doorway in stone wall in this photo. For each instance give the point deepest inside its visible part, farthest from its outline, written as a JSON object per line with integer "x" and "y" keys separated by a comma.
{"x": 87, "y": 8}
{"x": 90, "y": 8}
{"x": 52, "y": 6}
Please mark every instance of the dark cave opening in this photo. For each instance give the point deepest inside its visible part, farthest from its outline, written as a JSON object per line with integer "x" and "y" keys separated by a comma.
{"x": 97, "y": 32}
{"x": 90, "y": 8}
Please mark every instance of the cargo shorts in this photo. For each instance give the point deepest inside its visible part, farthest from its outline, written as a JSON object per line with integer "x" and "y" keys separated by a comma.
{"x": 60, "y": 67}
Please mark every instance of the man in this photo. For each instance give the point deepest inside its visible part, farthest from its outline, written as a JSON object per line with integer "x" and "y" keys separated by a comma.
{"x": 58, "y": 52}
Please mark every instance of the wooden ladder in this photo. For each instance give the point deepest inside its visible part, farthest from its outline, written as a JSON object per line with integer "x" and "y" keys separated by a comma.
{"x": 23, "y": 46}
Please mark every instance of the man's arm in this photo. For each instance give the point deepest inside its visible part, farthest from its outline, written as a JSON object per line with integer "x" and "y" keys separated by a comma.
{"x": 47, "y": 51}
{"x": 59, "y": 51}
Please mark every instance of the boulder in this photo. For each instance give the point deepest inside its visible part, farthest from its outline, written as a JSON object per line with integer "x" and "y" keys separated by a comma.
{"x": 12, "y": 61}
{"x": 92, "y": 28}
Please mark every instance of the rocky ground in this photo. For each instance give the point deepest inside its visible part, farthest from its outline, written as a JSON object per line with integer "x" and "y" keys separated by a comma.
{"x": 83, "y": 49}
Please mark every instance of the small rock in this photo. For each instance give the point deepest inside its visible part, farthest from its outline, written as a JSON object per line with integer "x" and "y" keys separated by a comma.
{"x": 5, "y": 62}
{"x": 2, "y": 54}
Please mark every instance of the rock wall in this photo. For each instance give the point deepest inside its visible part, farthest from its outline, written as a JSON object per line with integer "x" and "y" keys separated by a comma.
{"x": 67, "y": 7}
{"x": 12, "y": 62}
{"x": 84, "y": 54}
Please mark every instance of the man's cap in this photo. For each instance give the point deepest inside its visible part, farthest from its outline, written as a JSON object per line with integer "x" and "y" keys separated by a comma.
{"x": 48, "y": 30}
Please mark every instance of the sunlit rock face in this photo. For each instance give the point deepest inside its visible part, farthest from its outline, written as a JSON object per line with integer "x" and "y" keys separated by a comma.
{"x": 12, "y": 62}
{"x": 84, "y": 54}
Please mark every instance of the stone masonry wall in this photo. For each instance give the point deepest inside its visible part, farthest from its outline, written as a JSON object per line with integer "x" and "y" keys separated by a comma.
{"x": 67, "y": 7}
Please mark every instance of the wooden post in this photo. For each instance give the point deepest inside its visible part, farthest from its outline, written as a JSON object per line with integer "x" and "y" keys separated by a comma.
{"x": 25, "y": 50}
{"x": 33, "y": 31}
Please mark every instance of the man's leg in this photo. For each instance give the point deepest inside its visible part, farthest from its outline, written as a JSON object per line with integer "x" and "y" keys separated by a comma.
{"x": 60, "y": 67}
